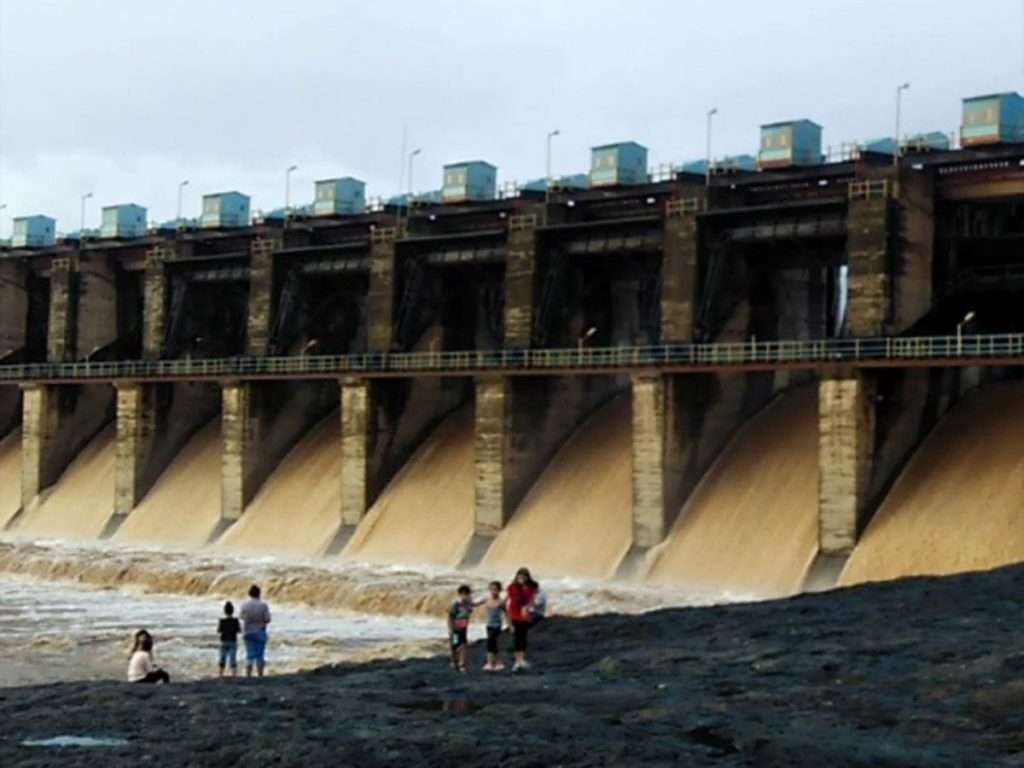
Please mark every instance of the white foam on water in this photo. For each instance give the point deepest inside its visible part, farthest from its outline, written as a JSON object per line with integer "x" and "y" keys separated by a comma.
{"x": 76, "y": 741}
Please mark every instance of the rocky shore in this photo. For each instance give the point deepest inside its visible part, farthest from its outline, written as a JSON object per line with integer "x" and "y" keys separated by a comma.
{"x": 925, "y": 672}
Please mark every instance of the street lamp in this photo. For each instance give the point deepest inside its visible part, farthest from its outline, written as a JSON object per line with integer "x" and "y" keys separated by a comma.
{"x": 408, "y": 200}
{"x": 181, "y": 190}
{"x": 899, "y": 104}
{"x": 81, "y": 229}
{"x": 288, "y": 189}
{"x": 547, "y": 172}
{"x": 585, "y": 337}
{"x": 3, "y": 206}
{"x": 960, "y": 331}
{"x": 707, "y": 170}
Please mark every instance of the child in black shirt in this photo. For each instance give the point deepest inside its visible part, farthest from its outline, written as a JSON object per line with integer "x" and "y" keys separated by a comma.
{"x": 228, "y": 629}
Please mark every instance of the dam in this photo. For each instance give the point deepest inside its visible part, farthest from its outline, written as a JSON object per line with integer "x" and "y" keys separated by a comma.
{"x": 749, "y": 378}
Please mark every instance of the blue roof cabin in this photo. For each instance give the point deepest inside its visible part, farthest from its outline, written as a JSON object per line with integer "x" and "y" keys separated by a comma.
{"x": 34, "y": 232}
{"x": 224, "y": 210}
{"x": 790, "y": 143}
{"x": 997, "y": 118}
{"x": 126, "y": 221}
{"x": 474, "y": 180}
{"x": 622, "y": 163}
{"x": 344, "y": 196}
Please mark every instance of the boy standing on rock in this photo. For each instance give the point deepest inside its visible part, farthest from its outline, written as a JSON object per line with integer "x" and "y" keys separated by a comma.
{"x": 459, "y": 615}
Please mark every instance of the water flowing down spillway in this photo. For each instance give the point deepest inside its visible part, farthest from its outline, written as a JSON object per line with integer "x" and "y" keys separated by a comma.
{"x": 10, "y": 477}
{"x": 81, "y": 503}
{"x": 298, "y": 509}
{"x": 750, "y": 527}
{"x": 576, "y": 520}
{"x": 183, "y": 507}
{"x": 959, "y": 503}
{"x": 425, "y": 515}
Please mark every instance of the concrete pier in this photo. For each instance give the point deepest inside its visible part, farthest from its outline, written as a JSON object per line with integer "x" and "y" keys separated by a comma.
{"x": 521, "y": 280}
{"x": 657, "y": 458}
{"x": 155, "y": 292}
{"x": 358, "y": 435}
{"x": 260, "y": 317}
{"x": 380, "y": 300}
{"x": 846, "y": 438}
{"x": 680, "y": 269}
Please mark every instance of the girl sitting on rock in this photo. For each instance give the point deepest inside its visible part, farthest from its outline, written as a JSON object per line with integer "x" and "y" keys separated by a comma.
{"x": 141, "y": 667}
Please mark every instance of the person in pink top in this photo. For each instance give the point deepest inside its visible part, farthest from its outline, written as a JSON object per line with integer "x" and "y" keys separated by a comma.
{"x": 520, "y": 595}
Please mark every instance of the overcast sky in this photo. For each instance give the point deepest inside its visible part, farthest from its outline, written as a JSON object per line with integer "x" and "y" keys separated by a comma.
{"x": 126, "y": 99}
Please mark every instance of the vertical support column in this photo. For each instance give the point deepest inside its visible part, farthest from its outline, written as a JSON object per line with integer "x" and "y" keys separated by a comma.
{"x": 520, "y": 281}
{"x": 680, "y": 269}
{"x": 915, "y": 207}
{"x": 490, "y": 445}
{"x": 40, "y": 421}
{"x": 136, "y": 429}
{"x": 155, "y": 299}
{"x": 13, "y": 306}
{"x": 236, "y": 458}
{"x": 846, "y": 436}
{"x": 357, "y": 437}
{"x": 380, "y": 299}
{"x": 657, "y": 458}
{"x": 261, "y": 295}
{"x": 60, "y": 342}
{"x": 869, "y": 310}
{"x": 95, "y": 321}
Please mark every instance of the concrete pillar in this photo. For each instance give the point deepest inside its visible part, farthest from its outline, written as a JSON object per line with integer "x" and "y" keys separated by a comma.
{"x": 13, "y": 306}
{"x": 658, "y": 454}
{"x": 490, "y": 449}
{"x": 520, "y": 280}
{"x": 236, "y": 458}
{"x": 380, "y": 300}
{"x": 846, "y": 437}
{"x": 869, "y": 310}
{"x": 915, "y": 209}
{"x": 680, "y": 270}
{"x": 136, "y": 432}
{"x": 96, "y": 305}
{"x": 357, "y": 438}
{"x": 40, "y": 421}
{"x": 60, "y": 342}
{"x": 261, "y": 295}
{"x": 155, "y": 291}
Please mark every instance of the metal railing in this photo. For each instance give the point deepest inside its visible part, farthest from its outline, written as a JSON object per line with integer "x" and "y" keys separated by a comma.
{"x": 1002, "y": 349}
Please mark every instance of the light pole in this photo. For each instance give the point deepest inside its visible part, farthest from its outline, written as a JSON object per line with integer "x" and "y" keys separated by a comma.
{"x": 81, "y": 229}
{"x": 707, "y": 170}
{"x": 288, "y": 189}
{"x": 408, "y": 200}
{"x": 181, "y": 190}
{"x": 899, "y": 104}
{"x": 547, "y": 172}
{"x": 3, "y": 206}
{"x": 960, "y": 332}
{"x": 585, "y": 337}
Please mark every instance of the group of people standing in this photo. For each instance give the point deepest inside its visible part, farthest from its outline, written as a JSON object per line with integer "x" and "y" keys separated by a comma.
{"x": 522, "y": 606}
{"x": 255, "y": 616}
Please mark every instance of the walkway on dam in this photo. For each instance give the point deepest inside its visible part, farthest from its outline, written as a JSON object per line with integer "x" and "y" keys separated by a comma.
{"x": 884, "y": 352}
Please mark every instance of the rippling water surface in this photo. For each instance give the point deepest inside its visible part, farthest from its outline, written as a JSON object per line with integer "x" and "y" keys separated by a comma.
{"x": 68, "y": 611}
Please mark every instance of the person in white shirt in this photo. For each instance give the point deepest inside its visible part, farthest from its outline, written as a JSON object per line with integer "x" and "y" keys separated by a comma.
{"x": 141, "y": 667}
{"x": 255, "y": 616}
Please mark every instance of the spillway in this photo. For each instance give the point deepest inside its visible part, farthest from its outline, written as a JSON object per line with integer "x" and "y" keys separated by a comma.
{"x": 750, "y": 527}
{"x": 576, "y": 520}
{"x": 10, "y": 477}
{"x": 425, "y": 515}
{"x": 183, "y": 508}
{"x": 82, "y": 501}
{"x": 957, "y": 506}
{"x": 298, "y": 509}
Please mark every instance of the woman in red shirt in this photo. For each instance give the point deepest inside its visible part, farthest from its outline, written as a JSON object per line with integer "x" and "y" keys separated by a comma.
{"x": 520, "y": 599}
